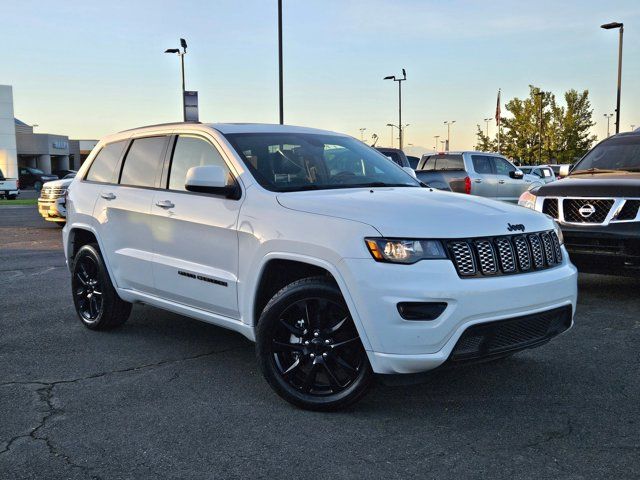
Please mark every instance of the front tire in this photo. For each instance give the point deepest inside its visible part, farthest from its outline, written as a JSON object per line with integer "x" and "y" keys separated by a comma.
{"x": 37, "y": 186}
{"x": 308, "y": 347}
{"x": 97, "y": 303}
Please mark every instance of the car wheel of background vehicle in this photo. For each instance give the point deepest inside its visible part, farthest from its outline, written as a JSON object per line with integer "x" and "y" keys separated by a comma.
{"x": 37, "y": 186}
{"x": 12, "y": 197}
{"x": 308, "y": 347}
{"x": 60, "y": 224}
{"x": 97, "y": 303}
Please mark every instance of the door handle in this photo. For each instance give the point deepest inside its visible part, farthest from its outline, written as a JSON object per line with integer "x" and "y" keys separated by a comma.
{"x": 500, "y": 181}
{"x": 478, "y": 180}
{"x": 165, "y": 204}
{"x": 108, "y": 196}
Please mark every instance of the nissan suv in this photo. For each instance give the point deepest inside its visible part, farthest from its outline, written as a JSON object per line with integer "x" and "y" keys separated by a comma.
{"x": 307, "y": 242}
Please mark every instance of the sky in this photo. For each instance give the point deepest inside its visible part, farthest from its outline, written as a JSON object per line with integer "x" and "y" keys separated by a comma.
{"x": 89, "y": 68}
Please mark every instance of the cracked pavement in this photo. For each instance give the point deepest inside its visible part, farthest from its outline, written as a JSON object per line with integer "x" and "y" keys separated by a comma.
{"x": 170, "y": 397}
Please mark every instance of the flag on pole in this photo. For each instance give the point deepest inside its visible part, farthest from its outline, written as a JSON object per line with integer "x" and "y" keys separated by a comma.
{"x": 498, "y": 110}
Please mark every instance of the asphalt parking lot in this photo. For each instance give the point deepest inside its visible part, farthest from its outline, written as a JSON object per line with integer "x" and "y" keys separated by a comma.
{"x": 170, "y": 397}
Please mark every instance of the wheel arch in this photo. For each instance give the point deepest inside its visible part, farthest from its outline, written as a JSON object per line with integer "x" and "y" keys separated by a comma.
{"x": 80, "y": 235}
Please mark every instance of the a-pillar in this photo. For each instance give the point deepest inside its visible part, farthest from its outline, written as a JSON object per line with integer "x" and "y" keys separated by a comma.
{"x": 44, "y": 163}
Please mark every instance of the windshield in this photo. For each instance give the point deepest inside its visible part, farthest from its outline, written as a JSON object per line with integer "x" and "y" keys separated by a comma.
{"x": 284, "y": 162}
{"x": 621, "y": 153}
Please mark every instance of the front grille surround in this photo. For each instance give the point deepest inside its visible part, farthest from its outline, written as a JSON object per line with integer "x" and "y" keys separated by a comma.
{"x": 608, "y": 209}
{"x": 505, "y": 255}
{"x": 51, "y": 193}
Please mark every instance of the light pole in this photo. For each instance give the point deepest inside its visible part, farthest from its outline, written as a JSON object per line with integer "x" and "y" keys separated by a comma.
{"x": 436, "y": 137}
{"x": 540, "y": 95}
{"x": 448, "y": 123}
{"x": 487, "y": 120}
{"x": 362, "y": 133}
{"x": 608, "y": 117}
{"x": 391, "y": 125}
{"x": 632, "y": 127}
{"x": 443, "y": 142}
{"x": 620, "y": 26}
{"x": 399, "y": 80}
{"x": 281, "y": 77}
{"x": 183, "y": 44}
{"x": 400, "y": 130}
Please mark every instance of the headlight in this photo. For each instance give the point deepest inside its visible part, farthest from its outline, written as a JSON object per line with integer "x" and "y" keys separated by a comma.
{"x": 528, "y": 200}
{"x": 404, "y": 251}
{"x": 558, "y": 230}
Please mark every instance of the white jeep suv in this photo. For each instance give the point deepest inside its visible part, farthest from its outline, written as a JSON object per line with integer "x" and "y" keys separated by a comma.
{"x": 333, "y": 259}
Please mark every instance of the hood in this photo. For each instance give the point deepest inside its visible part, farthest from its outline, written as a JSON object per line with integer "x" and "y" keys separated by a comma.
{"x": 63, "y": 182}
{"x": 418, "y": 212}
{"x": 621, "y": 184}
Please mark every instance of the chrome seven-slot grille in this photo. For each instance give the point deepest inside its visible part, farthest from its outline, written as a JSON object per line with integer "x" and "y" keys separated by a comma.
{"x": 52, "y": 192}
{"x": 505, "y": 255}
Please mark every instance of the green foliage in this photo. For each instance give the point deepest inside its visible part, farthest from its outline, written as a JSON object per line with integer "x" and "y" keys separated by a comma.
{"x": 565, "y": 129}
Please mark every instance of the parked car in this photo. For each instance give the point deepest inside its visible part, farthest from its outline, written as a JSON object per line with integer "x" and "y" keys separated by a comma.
{"x": 34, "y": 177}
{"x": 597, "y": 207}
{"x": 413, "y": 161}
{"x": 307, "y": 241}
{"x": 51, "y": 203}
{"x": 9, "y": 187}
{"x": 63, "y": 173}
{"x": 561, "y": 170}
{"x": 396, "y": 155}
{"x": 544, "y": 172}
{"x": 477, "y": 173}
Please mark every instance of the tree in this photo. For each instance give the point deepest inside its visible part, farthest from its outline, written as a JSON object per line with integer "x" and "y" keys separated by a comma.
{"x": 484, "y": 143}
{"x": 565, "y": 129}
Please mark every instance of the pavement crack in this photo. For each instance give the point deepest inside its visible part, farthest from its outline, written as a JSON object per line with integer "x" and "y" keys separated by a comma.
{"x": 553, "y": 435}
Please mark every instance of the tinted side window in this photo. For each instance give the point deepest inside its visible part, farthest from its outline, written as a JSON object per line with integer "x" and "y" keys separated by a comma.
{"x": 481, "y": 164}
{"x": 429, "y": 163}
{"x": 191, "y": 152}
{"x": 393, "y": 156}
{"x": 143, "y": 161}
{"x": 101, "y": 170}
{"x": 449, "y": 162}
{"x": 502, "y": 166}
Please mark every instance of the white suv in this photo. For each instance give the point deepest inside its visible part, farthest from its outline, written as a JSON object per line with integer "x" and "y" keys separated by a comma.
{"x": 335, "y": 260}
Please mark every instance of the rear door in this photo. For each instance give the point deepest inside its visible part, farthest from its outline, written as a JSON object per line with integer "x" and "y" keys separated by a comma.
{"x": 195, "y": 234}
{"x": 124, "y": 212}
{"x": 484, "y": 181}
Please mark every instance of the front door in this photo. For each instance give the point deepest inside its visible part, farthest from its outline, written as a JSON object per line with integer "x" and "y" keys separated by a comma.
{"x": 195, "y": 235}
{"x": 484, "y": 183}
{"x": 509, "y": 189}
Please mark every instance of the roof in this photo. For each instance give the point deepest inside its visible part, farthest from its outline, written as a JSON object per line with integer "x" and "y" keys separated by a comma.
{"x": 229, "y": 128}
{"x": 21, "y": 123}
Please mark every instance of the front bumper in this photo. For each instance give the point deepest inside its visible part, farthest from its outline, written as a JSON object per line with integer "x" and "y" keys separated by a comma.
{"x": 7, "y": 193}
{"x": 395, "y": 345}
{"x": 611, "y": 249}
{"x": 52, "y": 210}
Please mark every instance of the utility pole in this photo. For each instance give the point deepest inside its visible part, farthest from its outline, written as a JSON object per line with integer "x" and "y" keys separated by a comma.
{"x": 436, "y": 137}
{"x": 399, "y": 80}
{"x": 281, "y": 76}
{"x": 620, "y": 26}
{"x": 362, "y": 133}
{"x": 487, "y": 120}
{"x": 183, "y": 44}
{"x": 608, "y": 117}
{"x": 448, "y": 123}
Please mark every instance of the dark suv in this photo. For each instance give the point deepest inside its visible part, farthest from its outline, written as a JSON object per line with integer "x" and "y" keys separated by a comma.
{"x": 34, "y": 177}
{"x": 598, "y": 207}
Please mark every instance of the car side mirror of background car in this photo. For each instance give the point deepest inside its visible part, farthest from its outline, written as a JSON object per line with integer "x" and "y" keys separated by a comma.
{"x": 410, "y": 171}
{"x": 210, "y": 179}
{"x": 517, "y": 174}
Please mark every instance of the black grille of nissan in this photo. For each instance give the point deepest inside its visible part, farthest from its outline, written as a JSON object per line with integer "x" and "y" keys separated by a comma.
{"x": 505, "y": 255}
{"x": 629, "y": 210}
{"x": 573, "y": 206}
{"x": 550, "y": 207}
{"x": 504, "y": 336}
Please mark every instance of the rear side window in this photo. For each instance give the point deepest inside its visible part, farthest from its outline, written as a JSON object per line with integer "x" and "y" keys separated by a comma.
{"x": 190, "y": 152}
{"x": 447, "y": 162}
{"x": 101, "y": 170}
{"x": 143, "y": 162}
{"x": 481, "y": 164}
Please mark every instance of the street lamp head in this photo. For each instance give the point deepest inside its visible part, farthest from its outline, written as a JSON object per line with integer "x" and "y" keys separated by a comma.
{"x": 390, "y": 77}
{"x": 404, "y": 73}
{"x": 390, "y": 125}
{"x": 609, "y": 26}
{"x": 183, "y": 44}
{"x": 172, "y": 50}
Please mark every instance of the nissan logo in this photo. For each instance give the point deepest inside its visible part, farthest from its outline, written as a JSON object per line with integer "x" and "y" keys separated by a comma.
{"x": 587, "y": 210}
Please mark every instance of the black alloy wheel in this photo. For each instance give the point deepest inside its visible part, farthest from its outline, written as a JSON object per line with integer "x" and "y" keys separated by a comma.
{"x": 309, "y": 348}
{"x": 97, "y": 302}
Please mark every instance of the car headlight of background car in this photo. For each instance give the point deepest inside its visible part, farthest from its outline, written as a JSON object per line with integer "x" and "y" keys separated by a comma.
{"x": 396, "y": 250}
{"x": 528, "y": 199}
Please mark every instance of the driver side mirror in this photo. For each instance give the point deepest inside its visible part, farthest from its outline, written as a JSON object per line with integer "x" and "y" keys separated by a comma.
{"x": 516, "y": 174}
{"x": 211, "y": 179}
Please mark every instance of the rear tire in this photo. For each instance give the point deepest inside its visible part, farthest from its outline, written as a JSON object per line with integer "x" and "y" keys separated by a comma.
{"x": 97, "y": 302}
{"x": 308, "y": 348}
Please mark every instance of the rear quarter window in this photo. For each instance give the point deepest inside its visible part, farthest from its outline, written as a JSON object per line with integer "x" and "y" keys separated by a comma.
{"x": 103, "y": 166}
{"x": 448, "y": 162}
